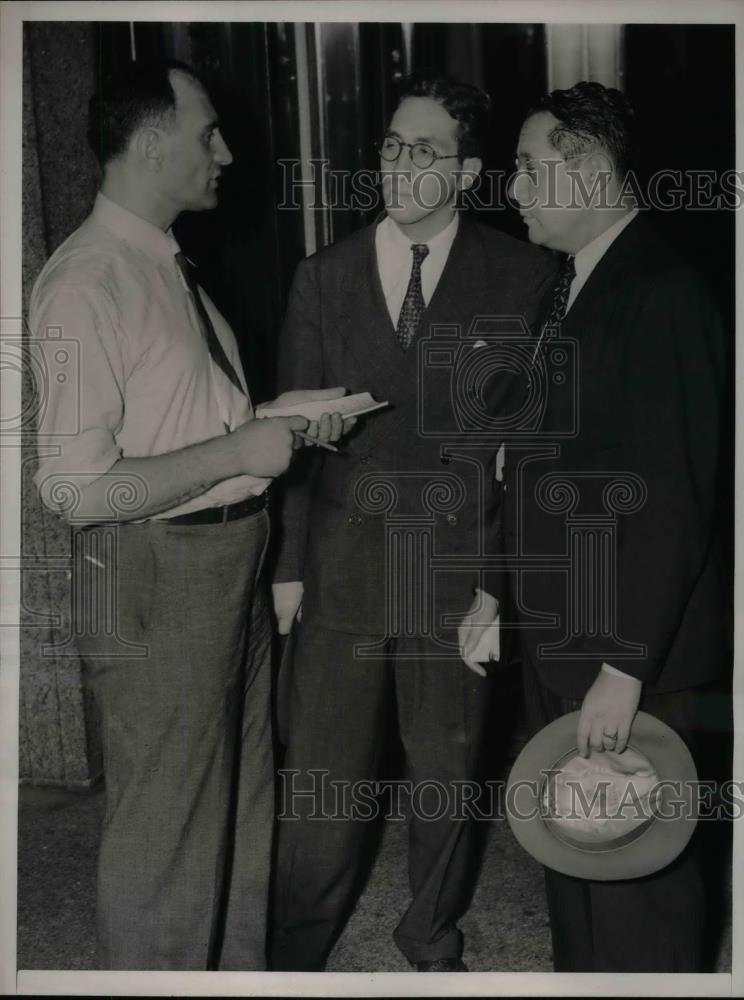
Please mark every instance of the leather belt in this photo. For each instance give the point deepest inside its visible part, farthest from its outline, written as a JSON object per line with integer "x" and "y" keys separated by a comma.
{"x": 221, "y": 515}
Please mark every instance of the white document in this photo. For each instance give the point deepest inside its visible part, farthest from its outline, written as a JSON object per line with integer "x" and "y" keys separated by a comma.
{"x": 348, "y": 406}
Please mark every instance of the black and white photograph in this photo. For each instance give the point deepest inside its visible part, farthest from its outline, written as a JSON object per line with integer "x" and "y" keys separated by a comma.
{"x": 369, "y": 498}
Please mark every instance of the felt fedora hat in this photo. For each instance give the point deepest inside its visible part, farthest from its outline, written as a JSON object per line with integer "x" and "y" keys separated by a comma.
{"x": 609, "y": 816}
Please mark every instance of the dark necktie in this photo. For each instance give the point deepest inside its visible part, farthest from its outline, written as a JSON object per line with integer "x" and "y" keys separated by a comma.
{"x": 561, "y": 292}
{"x": 413, "y": 304}
{"x": 558, "y": 305}
{"x": 215, "y": 347}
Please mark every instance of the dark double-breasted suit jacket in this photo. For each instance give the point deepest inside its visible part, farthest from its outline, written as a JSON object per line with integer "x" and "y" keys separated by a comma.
{"x": 402, "y": 462}
{"x": 645, "y": 454}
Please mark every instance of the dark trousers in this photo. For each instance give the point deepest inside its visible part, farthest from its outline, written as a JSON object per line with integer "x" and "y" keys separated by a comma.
{"x": 652, "y": 924}
{"x": 185, "y": 718}
{"x": 341, "y": 708}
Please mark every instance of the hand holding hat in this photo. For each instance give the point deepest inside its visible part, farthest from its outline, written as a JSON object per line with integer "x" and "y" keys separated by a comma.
{"x": 607, "y": 816}
{"x": 607, "y": 712}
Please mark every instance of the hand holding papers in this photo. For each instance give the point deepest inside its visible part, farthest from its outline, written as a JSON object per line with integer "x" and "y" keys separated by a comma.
{"x": 330, "y": 413}
{"x": 313, "y": 406}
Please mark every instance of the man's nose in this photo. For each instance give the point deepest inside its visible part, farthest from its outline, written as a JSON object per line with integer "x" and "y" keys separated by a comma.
{"x": 518, "y": 188}
{"x": 401, "y": 166}
{"x": 222, "y": 153}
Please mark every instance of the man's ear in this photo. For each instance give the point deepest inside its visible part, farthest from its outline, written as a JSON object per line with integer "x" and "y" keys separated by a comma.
{"x": 147, "y": 144}
{"x": 599, "y": 165}
{"x": 468, "y": 173}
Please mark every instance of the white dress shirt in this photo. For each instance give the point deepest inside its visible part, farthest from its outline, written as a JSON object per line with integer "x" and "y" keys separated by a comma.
{"x": 142, "y": 381}
{"x": 395, "y": 262}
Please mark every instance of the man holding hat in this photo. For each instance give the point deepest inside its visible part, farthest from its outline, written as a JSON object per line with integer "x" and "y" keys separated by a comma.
{"x": 650, "y": 377}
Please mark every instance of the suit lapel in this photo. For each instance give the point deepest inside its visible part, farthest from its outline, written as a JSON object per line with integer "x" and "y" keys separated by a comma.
{"x": 364, "y": 321}
{"x": 366, "y": 327}
{"x": 602, "y": 281}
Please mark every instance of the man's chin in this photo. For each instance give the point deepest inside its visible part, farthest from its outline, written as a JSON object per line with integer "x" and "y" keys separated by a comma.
{"x": 535, "y": 232}
{"x": 405, "y": 215}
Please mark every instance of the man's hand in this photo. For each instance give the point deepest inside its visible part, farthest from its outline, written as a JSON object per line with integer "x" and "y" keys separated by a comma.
{"x": 331, "y": 425}
{"x": 481, "y": 614}
{"x": 266, "y": 446}
{"x": 607, "y": 713}
{"x": 287, "y": 604}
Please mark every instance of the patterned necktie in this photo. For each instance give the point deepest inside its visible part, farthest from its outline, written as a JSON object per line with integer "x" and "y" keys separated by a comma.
{"x": 557, "y": 312}
{"x": 413, "y": 304}
{"x": 215, "y": 347}
{"x": 561, "y": 292}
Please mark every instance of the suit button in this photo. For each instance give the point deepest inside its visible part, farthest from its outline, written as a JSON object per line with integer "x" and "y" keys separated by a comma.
{"x": 355, "y": 519}
{"x": 445, "y": 460}
{"x": 364, "y": 459}
{"x": 452, "y": 519}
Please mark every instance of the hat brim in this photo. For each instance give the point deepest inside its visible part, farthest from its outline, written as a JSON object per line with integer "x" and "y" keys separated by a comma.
{"x": 648, "y": 849}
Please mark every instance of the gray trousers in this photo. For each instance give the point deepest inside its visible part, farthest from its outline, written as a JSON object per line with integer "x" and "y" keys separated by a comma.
{"x": 180, "y": 670}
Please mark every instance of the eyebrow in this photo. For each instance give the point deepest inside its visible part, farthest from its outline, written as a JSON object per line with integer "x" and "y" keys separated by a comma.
{"x": 422, "y": 138}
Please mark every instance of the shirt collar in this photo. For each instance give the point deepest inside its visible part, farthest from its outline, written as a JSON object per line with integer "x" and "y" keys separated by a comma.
{"x": 439, "y": 243}
{"x": 590, "y": 255}
{"x": 133, "y": 229}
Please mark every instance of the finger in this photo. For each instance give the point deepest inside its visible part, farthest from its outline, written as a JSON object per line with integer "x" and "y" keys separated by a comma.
{"x": 348, "y": 424}
{"x": 475, "y": 667}
{"x": 324, "y": 427}
{"x": 582, "y": 735}
{"x": 609, "y": 742}
{"x": 595, "y": 735}
{"x": 296, "y": 423}
{"x": 623, "y": 735}
{"x": 337, "y": 426}
{"x": 312, "y": 428}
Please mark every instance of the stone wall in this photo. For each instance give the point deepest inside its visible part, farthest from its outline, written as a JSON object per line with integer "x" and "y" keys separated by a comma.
{"x": 58, "y": 738}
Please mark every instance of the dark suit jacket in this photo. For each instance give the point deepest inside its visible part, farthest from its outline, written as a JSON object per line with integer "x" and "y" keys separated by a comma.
{"x": 650, "y": 389}
{"x": 337, "y": 331}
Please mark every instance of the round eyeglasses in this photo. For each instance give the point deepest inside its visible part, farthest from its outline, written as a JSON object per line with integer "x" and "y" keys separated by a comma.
{"x": 422, "y": 154}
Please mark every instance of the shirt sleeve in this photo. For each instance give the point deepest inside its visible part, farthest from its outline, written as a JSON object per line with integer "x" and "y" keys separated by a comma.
{"x": 80, "y": 387}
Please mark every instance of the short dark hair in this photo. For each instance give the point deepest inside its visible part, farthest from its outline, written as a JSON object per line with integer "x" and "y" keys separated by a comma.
{"x": 468, "y": 105}
{"x": 589, "y": 114}
{"x": 127, "y": 99}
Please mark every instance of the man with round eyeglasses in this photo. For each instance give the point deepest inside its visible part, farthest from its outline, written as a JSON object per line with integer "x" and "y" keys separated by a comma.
{"x": 361, "y": 310}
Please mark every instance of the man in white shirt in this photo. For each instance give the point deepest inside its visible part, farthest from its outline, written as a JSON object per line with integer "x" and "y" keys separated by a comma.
{"x": 158, "y": 438}
{"x": 648, "y": 627}
{"x": 360, "y": 310}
